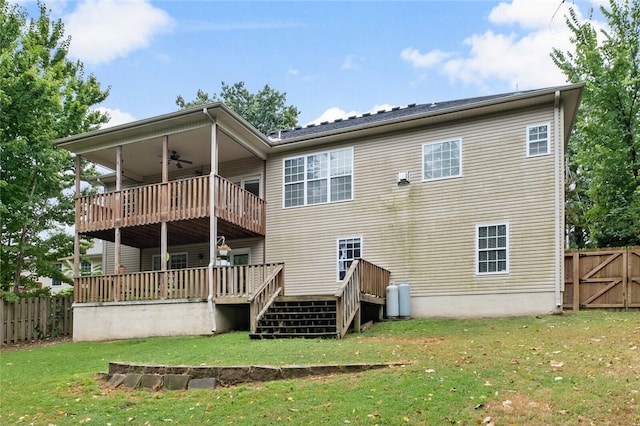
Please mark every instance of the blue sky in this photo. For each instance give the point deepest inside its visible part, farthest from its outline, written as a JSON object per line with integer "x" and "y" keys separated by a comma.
{"x": 331, "y": 58}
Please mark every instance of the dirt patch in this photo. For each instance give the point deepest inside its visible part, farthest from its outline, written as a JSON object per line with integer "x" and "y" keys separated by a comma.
{"x": 417, "y": 341}
{"x": 33, "y": 344}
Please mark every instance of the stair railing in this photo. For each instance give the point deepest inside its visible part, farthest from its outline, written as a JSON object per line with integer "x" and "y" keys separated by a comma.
{"x": 265, "y": 295}
{"x": 348, "y": 298}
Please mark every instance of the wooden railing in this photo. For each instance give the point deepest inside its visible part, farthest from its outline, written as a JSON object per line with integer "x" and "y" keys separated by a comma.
{"x": 265, "y": 294}
{"x": 148, "y": 285}
{"x": 181, "y": 199}
{"x": 189, "y": 283}
{"x": 241, "y": 281}
{"x": 361, "y": 277}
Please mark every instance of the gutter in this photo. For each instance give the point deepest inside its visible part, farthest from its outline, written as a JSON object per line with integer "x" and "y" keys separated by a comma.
{"x": 212, "y": 221}
{"x": 558, "y": 199}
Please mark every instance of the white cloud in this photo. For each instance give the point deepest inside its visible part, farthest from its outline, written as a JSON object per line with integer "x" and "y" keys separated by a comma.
{"x": 519, "y": 56}
{"x": 539, "y": 14}
{"x": 423, "y": 60}
{"x": 117, "y": 117}
{"x": 335, "y": 113}
{"x": 352, "y": 62}
{"x": 293, "y": 71}
{"x": 102, "y": 30}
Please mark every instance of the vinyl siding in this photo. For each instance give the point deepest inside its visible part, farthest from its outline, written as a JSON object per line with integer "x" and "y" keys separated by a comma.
{"x": 424, "y": 232}
{"x": 255, "y": 246}
{"x": 129, "y": 258}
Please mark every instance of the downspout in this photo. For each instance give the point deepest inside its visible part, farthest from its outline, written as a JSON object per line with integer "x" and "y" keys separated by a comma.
{"x": 213, "y": 224}
{"x": 559, "y": 199}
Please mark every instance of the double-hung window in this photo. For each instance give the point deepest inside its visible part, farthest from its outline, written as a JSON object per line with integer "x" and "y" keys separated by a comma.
{"x": 349, "y": 249}
{"x": 537, "y": 140}
{"x": 442, "y": 159}
{"x": 176, "y": 261}
{"x": 85, "y": 268}
{"x": 492, "y": 248}
{"x": 324, "y": 177}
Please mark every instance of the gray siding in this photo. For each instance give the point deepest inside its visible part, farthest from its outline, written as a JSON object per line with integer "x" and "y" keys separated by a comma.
{"x": 425, "y": 232}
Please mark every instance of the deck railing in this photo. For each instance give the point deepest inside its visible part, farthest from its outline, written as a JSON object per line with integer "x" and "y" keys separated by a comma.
{"x": 265, "y": 295}
{"x": 189, "y": 283}
{"x": 361, "y": 277}
{"x": 181, "y": 199}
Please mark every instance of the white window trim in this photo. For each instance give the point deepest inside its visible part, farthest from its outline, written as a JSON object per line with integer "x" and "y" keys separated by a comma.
{"x": 528, "y": 144}
{"x": 328, "y": 152}
{"x": 480, "y": 225}
{"x": 240, "y": 180}
{"x": 354, "y": 237}
{"x": 456, "y": 139}
{"x": 157, "y": 256}
{"x": 240, "y": 252}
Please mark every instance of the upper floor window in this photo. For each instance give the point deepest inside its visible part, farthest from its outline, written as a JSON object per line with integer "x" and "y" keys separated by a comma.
{"x": 442, "y": 159}
{"x": 537, "y": 140}
{"x": 493, "y": 248}
{"x": 324, "y": 177}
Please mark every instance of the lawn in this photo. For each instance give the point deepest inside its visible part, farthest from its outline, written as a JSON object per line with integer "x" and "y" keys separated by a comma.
{"x": 577, "y": 368}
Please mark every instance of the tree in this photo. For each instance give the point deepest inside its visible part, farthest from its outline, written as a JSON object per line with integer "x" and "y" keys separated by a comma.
{"x": 604, "y": 154}
{"x": 43, "y": 96}
{"x": 265, "y": 110}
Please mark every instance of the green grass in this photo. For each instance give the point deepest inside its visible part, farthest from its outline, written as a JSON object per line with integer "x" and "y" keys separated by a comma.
{"x": 579, "y": 368}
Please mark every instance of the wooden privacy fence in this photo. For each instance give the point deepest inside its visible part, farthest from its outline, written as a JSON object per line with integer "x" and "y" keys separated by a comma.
{"x": 602, "y": 278}
{"x": 34, "y": 318}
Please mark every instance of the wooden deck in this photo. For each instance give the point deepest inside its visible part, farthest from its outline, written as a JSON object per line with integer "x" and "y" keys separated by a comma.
{"x": 260, "y": 286}
{"x": 138, "y": 211}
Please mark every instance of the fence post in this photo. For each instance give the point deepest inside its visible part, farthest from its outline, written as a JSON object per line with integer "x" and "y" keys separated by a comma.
{"x": 576, "y": 280}
{"x": 626, "y": 274}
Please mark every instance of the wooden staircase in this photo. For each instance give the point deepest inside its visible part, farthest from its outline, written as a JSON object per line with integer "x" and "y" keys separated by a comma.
{"x": 299, "y": 317}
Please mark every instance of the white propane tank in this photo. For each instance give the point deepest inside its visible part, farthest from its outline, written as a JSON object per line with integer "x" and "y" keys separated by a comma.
{"x": 393, "y": 309}
{"x": 404, "y": 300}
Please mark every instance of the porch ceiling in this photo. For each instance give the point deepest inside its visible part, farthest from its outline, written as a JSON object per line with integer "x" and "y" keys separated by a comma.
{"x": 178, "y": 233}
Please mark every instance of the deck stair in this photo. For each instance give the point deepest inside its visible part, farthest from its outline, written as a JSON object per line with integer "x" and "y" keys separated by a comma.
{"x": 299, "y": 317}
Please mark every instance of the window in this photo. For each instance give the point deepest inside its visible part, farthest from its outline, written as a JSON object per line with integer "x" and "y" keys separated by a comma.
{"x": 85, "y": 268}
{"x": 442, "y": 159}
{"x": 349, "y": 249}
{"x": 249, "y": 183}
{"x": 537, "y": 140}
{"x": 318, "y": 178}
{"x": 493, "y": 248}
{"x": 55, "y": 282}
{"x": 176, "y": 261}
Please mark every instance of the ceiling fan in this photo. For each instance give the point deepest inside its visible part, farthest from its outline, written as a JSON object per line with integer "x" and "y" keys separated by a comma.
{"x": 175, "y": 157}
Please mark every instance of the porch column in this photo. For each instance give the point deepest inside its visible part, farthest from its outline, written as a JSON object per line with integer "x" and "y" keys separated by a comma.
{"x": 76, "y": 240}
{"x": 163, "y": 215}
{"x": 213, "y": 219}
{"x": 118, "y": 209}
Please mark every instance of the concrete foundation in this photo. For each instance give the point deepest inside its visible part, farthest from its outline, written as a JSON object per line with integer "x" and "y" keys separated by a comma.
{"x": 483, "y": 305}
{"x": 113, "y": 321}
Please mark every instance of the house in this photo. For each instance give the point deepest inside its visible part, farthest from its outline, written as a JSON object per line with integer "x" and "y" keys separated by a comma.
{"x": 461, "y": 200}
{"x": 90, "y": 263}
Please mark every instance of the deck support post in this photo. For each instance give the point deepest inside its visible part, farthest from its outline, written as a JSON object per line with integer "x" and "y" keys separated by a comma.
{"x": 163, "y": 218}
{"x": 76, "y": 240}
{"x": 357, "y": 320}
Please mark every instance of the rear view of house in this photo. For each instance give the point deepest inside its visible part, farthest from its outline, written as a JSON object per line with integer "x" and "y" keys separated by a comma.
{"x": 461, "y": 200}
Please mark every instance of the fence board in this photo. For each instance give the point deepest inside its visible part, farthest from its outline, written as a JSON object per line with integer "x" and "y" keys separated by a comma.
{"x": 33, "y": 318}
